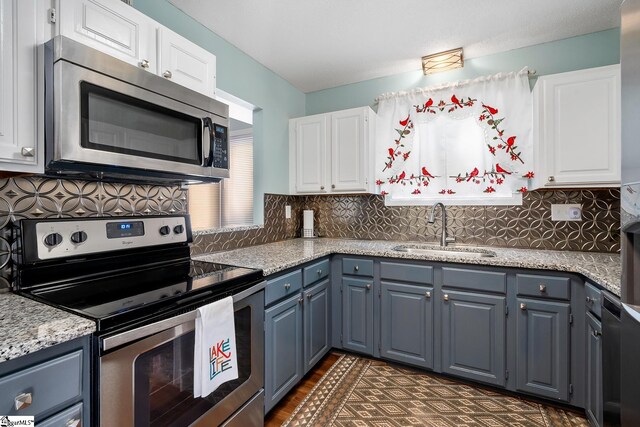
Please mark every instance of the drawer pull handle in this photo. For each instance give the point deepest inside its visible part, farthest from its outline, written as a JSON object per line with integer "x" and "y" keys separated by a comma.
{"x": 23, "y": 400}
{"x": 427, "y": 294}
{"x": 322, "y": 187}
{"x": 75, "y": 422}
{"x": 319, "y": 272}
{"x": 596, "y": 333}
{"x": 309, "y": 297}
{"x": 543, "y": 288}
{"x": 551, "y": 179}
{"x": 287, "y": 286}
{"x": 167, "y": 74}
{"x": 301, "y": 300}
{"x": 144, "y": 64}
{"x": 590, "y": 300}
{"x": 446, "y": 297}
{"x": 356, "y": 268}
{"x": 28, "y": 151}
{"x": 523, "y": 306}
{"x": 368, "y": 286}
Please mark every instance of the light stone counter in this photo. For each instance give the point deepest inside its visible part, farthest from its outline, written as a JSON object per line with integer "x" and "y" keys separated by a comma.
{"x": 27, "y": 326}
{"x": 602, "y": 268}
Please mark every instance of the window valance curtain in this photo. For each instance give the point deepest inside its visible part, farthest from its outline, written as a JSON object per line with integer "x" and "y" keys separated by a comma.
{"x": 461, "y": 141}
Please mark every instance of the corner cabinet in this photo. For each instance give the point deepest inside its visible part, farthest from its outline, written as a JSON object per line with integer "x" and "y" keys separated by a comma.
{"x": 577, "y": 128}
{"x": 332, "y": 152}
{"x": 22, "y": 28}
{"x": 125, "y": 33}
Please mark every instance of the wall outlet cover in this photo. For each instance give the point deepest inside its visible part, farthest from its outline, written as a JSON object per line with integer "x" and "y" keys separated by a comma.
{"x": 287, "y": 212}
{"x": 566, "y": 212}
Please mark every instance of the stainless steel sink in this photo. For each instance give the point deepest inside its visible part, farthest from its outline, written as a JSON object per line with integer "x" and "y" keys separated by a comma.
{"x": 457, "y": 252}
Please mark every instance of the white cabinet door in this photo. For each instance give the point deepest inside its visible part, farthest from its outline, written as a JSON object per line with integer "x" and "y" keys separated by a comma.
{"x": 310, "y": 136}
{"x": 186, "y": 63}
{"x": 578, "y": 125}
{"x": 20, "y": 145}
{"x": 112, "y": 27}
{"x": 348, "y": 150}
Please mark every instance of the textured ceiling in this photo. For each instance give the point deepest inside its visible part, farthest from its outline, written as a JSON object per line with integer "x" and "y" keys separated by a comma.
{"x": 317, "y": 44}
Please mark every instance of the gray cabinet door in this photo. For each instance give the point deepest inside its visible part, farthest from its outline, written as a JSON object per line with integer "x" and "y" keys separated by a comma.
{"x": 316, "y": 324}
{"x": 543, "y": 348}
{"x": 406, "y": 321}
{"x": 357, "y": 315}
{"x": 283, "y": 349}
{"x": 594, "y": 371}
{"x": 473, "y": 336}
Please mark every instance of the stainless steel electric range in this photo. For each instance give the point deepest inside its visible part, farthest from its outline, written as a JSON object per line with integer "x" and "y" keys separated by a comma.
{"x": 134, "y": 277}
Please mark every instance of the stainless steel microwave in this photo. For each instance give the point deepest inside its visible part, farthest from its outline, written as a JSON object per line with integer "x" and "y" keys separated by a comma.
{"x": 105, "y": 118}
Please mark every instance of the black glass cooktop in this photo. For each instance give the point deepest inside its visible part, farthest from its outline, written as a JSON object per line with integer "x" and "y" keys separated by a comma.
{"x": 117, "y": 298}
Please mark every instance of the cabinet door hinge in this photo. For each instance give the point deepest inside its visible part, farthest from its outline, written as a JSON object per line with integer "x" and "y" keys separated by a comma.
{"x": 570, "y": 388}
{"x": 340, "y": 338}
{"x": 52, "y": 16}
{"x": 570, "y": 319}
{"x": 379, "y": 293}
{"x": 379, "y": 347}
{"x": 506, "y": 374}
{"x": 340, "y": 288}
{"x": 506, "y": 311}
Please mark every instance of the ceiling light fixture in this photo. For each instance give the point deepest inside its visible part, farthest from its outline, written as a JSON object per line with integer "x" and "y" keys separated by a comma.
{"x": 442, "y": 61}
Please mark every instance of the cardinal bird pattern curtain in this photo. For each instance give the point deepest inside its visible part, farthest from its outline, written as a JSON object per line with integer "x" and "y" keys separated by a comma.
{"x": 469, "y": 140}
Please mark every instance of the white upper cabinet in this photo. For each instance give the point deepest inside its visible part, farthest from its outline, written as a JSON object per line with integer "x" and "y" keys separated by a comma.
{"x": 186, "y": 63}
{"x": 112, "y": 27}
{"x": 21, "y": 143}
{"x": 577, "y": 128}
{"x": 332, "y": 152}
{"x": 119, "y": 30}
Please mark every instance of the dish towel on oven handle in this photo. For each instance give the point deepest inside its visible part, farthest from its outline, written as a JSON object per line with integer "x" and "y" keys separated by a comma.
{"x": 215, "y": 360}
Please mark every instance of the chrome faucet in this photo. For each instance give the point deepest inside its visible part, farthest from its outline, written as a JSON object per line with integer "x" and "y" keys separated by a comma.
{"x": 432, "y": 218}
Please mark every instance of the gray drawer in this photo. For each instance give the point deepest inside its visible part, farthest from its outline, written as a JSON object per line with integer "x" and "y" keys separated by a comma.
{"x": 283, "y": 286}
{"x": 64, "y": 418}
{"x": 54, "y": 384}
{"x": 476, "y": 280}
{"x": 357, "y": 267}
{"x": 536, "y": 285}
{"x": 594, "y": 299}
{"x": 315, "y": 272}
{"x": 406, "y": 272}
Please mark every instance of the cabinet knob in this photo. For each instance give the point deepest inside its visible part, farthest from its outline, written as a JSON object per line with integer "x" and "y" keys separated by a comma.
{"x": 333, "y": 186}
{"x": 287, "y": 286}
{"x": 590, "y": 300}
{"x": 319, "y": 272}
{"x": 322, "y": 187}
{"x": 596, "y": 333}
{"x": 309, "y": 297}
{"x": 144, "y": 63}
{"x": 74, "y": 422}
{"x": 368, "y": 286}
{"x": 551, "y": 178}
{"x": 523, "y": 306}
{"x": 301, "y": 300}
{"x": 167, "y": 74}
{"x": 446, "y": 297}
{"x": 23, "y": 400}
{"x": 356, "y": 268}
{"x": 427, "y": 294}
{"x": 543, "y": 288}
{"x": 28, "y": 151}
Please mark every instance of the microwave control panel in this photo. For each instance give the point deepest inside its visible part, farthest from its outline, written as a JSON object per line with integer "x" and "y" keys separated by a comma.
{"x": 221, "y": 147}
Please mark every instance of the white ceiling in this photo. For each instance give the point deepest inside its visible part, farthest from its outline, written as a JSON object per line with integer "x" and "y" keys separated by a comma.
{"x": 317, "y": 44}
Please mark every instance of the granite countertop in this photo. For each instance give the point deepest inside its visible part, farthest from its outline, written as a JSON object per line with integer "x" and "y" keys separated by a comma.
{"x": 27, "y": 326}
{"x": 602, "y": 268}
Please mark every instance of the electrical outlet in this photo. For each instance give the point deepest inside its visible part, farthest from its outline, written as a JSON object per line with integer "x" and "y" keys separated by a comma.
{"x": 287, "y": 212}
{"x": 566, "y": 212}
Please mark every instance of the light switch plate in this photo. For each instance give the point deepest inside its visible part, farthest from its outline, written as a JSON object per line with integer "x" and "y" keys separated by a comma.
{"x": 566, "y": 212}
{"x": 287, "y": 212}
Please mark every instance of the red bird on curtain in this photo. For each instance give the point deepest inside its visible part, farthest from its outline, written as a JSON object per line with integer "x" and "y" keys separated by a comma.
{"x": 499, "y": 169}
{"x": 473, "y": 174}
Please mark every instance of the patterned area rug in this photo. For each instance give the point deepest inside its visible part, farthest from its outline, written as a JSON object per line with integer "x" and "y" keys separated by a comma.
{"x": 362, "y": 392}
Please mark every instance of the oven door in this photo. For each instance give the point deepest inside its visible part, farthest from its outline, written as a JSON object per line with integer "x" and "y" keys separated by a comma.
{"x": 123, "y": 128}
{"x": 149, "y": 382}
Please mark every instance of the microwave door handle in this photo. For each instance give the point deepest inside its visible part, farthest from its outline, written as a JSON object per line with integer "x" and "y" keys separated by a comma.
{"x": 207, "y": 147}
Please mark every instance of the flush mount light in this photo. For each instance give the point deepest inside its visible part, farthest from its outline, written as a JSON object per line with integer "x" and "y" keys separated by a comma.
{"x": 442, "y": 61}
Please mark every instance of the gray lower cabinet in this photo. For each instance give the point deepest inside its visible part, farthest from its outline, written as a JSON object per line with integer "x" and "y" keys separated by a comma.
{"x": 543, "y": 348}
{"x": 473, "y": 336}
{"x": 357, "y": 315}
{"x": 594, "y": 397}
{"x": 283, "y": 349}
{"x": 316, "y": 324}
{"x": 406, "y": 323}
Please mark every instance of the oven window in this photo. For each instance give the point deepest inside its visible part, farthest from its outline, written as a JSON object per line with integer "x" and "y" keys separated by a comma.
{"x": 122, "y": 124}
{"x": 163, "y": 379}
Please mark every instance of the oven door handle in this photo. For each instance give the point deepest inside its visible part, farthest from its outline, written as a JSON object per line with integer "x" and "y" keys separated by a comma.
{"x": 207, "y": 145}
{"x": 154, "y": 328}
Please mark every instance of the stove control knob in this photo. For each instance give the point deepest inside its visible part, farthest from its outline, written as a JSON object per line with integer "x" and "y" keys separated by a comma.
{"x": 53, "y": 239}
{"x": 164, "y": 230}
{"x": 178, "y": 229}
{"x": 78, "y": 237}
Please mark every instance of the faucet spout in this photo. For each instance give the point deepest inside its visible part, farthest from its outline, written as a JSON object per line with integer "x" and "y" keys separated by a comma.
{"x": 443, "y": 236}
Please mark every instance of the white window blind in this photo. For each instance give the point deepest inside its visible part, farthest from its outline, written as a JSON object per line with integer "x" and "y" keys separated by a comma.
{"x": 228, "y": 203}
